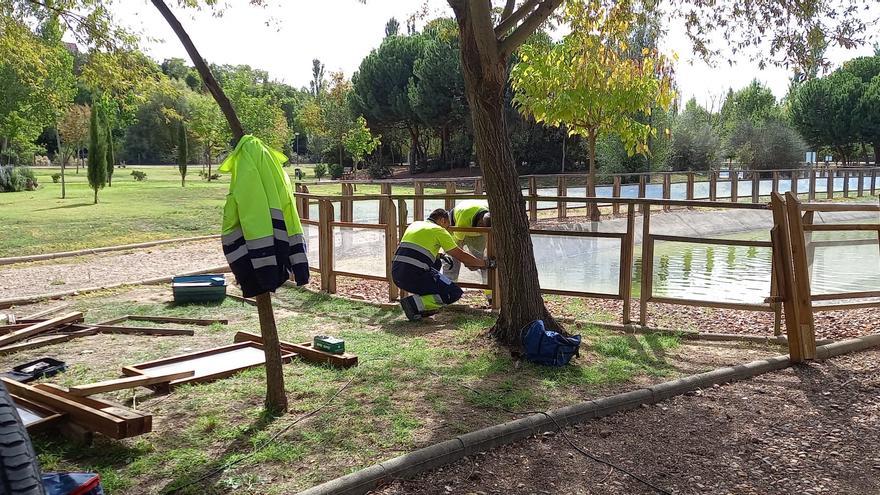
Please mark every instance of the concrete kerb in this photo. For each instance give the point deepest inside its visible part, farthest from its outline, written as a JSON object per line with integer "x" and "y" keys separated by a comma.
{"x": 484, "y": 439}
{"x": 85, "y": 252}
{"x": 8, "y": 303}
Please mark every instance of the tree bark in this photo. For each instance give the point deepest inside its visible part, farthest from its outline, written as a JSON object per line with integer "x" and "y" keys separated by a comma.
{"x": 594, "y": 208}
{"x": 876, "y": 146}
{"x": 485, "y": 77}
{"x": 276, "y": 398}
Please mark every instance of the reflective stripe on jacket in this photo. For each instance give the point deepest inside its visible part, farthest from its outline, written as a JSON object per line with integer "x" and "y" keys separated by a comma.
{"x": 262, "y": 234}
{"x": 421, "y": 242}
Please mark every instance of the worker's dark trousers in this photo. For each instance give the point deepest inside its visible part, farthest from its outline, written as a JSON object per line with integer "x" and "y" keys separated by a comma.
{"x": 424, "y": 282}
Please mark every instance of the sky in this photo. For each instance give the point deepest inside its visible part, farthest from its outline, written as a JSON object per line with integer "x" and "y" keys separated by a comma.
{"x": 283, "y": 40}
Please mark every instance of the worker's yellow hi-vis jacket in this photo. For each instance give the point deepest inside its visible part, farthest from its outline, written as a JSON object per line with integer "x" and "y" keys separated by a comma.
{"x": 262, "y": 235}
{"x": 465, "y": 214}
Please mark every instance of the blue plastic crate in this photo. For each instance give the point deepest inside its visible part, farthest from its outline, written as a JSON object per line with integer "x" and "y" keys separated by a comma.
{"x": 198, "y": 288}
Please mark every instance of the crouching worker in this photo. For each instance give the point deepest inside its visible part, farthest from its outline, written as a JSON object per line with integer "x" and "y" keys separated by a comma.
{"x": 470, "y": 213}
{"x": 416, "y": 266}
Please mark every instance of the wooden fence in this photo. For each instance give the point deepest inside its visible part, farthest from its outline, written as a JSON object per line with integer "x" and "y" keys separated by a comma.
{"x": 790, "y": 244}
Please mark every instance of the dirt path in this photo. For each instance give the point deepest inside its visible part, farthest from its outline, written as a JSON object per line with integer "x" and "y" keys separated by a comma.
{"x": 808, "y": 429}
{"x": 42, "y": 277}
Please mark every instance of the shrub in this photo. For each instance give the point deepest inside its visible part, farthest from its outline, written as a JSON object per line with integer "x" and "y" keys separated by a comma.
{"x": 378, "y": 169}
{"x": 770, "y": 145}
{"x": 335, "y": 170}
{"x": 15, "y": 179}
{"x": 56, "y": 177}
{"x": 320, "y": 171}
{"x": 139, "y": 175}
{"x": 695, "y": 146}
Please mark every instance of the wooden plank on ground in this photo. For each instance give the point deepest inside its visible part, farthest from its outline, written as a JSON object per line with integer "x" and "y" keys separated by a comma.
{"x": 88, "y": 417}
{"x": 174, "y": 319}
{"x": 49, "y": 340}
{"x": 305, "y": 351}
{"x": 47, "y": 311}
{"x": 128, "y": 382}
{"x": 143, "y": 330}
{"x": 207, "y": 365}
{"x": 136, "y": 422}
{"x": 4, "y": 329}
{"x": 41, "y": 327}
{"x": 35, "y": 417}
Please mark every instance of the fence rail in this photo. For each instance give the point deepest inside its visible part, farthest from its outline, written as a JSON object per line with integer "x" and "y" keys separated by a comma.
{"x": 790, "y": 243}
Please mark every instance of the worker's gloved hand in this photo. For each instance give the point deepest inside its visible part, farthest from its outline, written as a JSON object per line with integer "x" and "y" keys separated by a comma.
{"x": 491, "y": 263}
{"x": 447, "y": 261}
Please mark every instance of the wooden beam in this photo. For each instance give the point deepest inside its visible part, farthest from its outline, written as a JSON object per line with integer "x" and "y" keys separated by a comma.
{"x": 41, "y": 327}
{"x": 49, "y": 340}
{"x": 391, "y": 233}
{"x": 136, "y": 422}
{"x": 128, "y": 382}
{"x": 647, "y": 267}
{"x": 48, "y": 311}
{"x": 305, "y": 351}
{"x": 92, "y": 419}
{"x": 174, "y": 319}
{"x": 143, "y": 330}
{"x": 627, "y": 246}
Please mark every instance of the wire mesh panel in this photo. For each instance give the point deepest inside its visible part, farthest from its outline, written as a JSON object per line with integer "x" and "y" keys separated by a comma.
{"x": 310, "y": 232}
{"x": 843, "y": 261}
{"x": 577, "y": 263}
{"x": 707, "y": 272}
{"x": 357, "y": 250}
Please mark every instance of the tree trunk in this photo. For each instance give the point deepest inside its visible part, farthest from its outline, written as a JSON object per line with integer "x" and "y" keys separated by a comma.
{"x": 61, "y": 155}
{"x": 96, "y": 195}
{"x": 594, "y": 208}
{"x": 413, "y": 149}
{"x": 521, "y": 301}
{"x": 865, "y": 152}
{"x": 876, "y": 146}
{"x": 276, "y": 399}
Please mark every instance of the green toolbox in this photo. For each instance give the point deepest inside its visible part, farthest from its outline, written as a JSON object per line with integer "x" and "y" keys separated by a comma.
{"x": 330, "y": 344}
{"x": 198, "y": 288}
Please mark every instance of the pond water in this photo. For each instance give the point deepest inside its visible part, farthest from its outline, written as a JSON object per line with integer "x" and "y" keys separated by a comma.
{"x": 681, "y": 270}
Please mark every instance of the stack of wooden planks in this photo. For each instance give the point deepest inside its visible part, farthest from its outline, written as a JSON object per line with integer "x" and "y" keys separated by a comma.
{"x": 34, "y": 331}
{"x": 45, "y": 404}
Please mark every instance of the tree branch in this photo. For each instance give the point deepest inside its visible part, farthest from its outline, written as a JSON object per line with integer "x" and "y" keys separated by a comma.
{"x": 528, "y": 26}
{"x": 508, "y": 8}
{"x": 207, "y": 77}
{"x": 480, "y": 18}
{"x": 509, "y": 21}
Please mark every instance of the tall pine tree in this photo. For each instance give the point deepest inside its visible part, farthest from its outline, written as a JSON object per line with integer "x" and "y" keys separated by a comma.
{"x": 182, "y": 152}
{"x": 97, "y": 165}
{"x": 111, "y": 155}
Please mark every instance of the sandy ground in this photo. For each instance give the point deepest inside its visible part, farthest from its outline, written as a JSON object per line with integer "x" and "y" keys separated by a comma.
{"x": 807, "y": 429}
{"x": 43, "y": 277}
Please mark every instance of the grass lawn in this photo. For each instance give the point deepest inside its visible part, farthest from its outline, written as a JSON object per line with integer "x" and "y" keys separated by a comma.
{"x": 417, "y": 384}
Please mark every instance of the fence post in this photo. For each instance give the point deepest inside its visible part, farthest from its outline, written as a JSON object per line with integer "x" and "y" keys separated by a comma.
{"x": 626, "y": 262}
{"x": 302, "y": 204}
{"x": 390, "y": 221}
{"x": 756, "y": 187}
{"x": 561, "y": 190}
{"x": 812, "y": 195}
{"x": 795, "y": 177}
{"x": 861, "y": 183}
{"x": 615, "y": 192}
{"x": 346, "y": 207}
{"x": 533, "y": 200}
{"x": 785, "y": 277}
{"x": 667, "y": 190}
{"x": 642, "y": 188}
{"x": 713, "y": 185}
{"x": 801, "y": 277}
{"x": 402, "y": 217}
{"x": 419, "y": 201}
{"x": 478, "y": 186}
{"x": 829, "y": 176}
{"x": 734, "y": 186}
{"x": 450, "y": 189}
{"x": 647, "y": 266}
{"x": 690, "y": 185}
{"x": 846, "y": 183}
{"x": 494, "y": 278}
{"x": 775, "y": 181}
{"x": 325, "y": 246}
{"x": 874, "y": 181}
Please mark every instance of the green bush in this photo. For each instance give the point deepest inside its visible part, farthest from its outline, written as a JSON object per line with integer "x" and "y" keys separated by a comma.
{"x": 320, "y": 171}
{"x": 56, "y": 177}
{"x": 335, "y": 170}
{"x": 378, "y": 169}
{"x": 772, "y": 144}
{"x": 15, "y": 179}
{"x": 139, "y": 175}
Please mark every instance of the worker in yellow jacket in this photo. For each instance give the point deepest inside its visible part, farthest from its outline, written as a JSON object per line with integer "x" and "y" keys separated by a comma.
{"x": 262, "y": 234}
{"x": 469, "y": 213}
{"x": 415, "y": 267}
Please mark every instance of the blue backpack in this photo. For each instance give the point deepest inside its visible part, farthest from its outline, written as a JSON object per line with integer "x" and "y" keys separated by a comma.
{"x": 547, "y": 347}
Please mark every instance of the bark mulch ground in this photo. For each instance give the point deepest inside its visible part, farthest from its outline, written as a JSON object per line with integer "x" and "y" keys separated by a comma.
{"x": 806, "y": 429}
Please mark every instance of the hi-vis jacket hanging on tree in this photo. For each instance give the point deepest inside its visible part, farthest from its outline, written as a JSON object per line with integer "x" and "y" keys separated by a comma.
{"x": 262, "y": 235}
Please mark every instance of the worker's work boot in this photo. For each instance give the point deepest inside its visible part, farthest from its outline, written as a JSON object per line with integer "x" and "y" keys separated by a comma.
{"x": 411, "y": 308}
